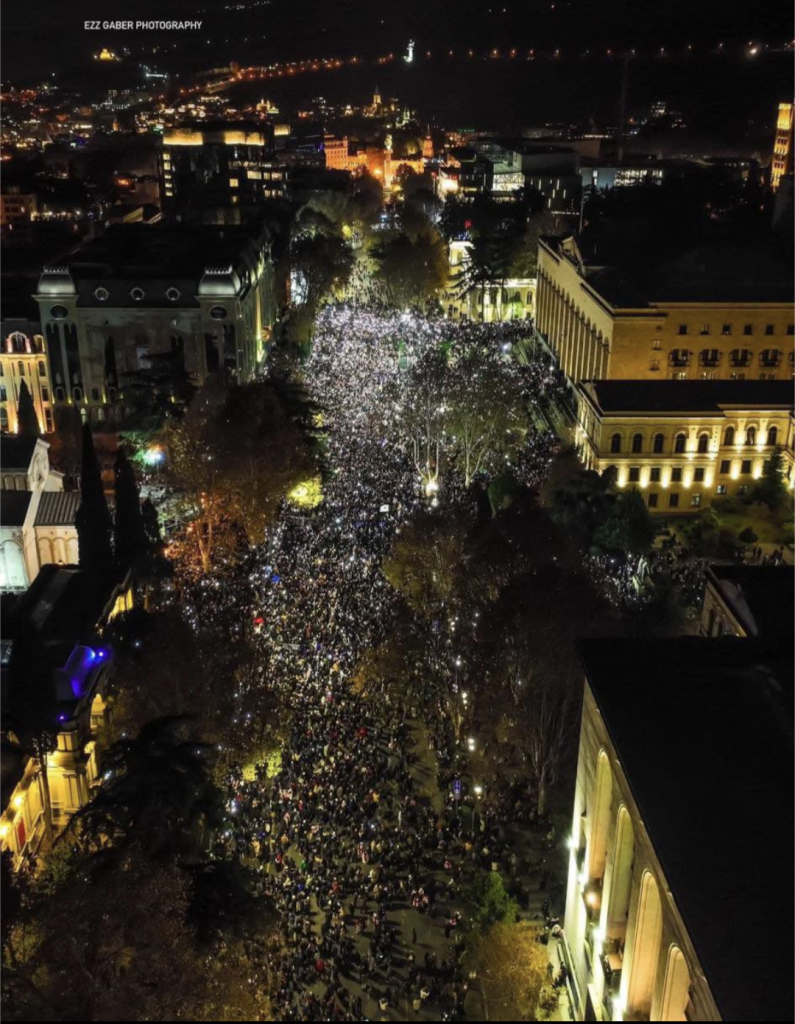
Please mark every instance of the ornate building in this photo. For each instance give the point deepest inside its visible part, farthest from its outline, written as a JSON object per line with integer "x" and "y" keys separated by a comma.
{"x": 680, "y": 843}
{"x": 713, "y": 314}
{"x": 23, "y": 356}
{"x": 203, "y": 293}
{"x": 37, "y": 517}
{"x": 683, "y": 443}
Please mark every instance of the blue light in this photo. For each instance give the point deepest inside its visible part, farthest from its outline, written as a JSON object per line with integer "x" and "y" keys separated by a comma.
{"x": 102, "y": 654}
{"x": 77, "y": 687}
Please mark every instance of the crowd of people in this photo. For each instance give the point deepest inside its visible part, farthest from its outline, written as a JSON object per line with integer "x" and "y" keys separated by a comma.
{"x": 358, "y": 835}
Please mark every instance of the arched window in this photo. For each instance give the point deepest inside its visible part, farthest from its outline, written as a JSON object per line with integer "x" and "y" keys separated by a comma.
{"x": 615, "y": 443}
{"x": 21, "y": 368}
{"x": 772, "y": 435}
{"x": 77, "y": 394}
{"x": 42, "y": 369}
{"x": 59, "y": 394}
{"x": 637, "y": 443}
{"x": 750, "y": 435}
{"x": 703, "y": 444}
{"x": 679, "y": 443}
{"x": 659, "y": 441}
{"x": 728, "y": 437}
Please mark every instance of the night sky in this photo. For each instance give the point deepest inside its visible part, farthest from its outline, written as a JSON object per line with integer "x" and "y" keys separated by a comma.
{"x": 39, "y": 35}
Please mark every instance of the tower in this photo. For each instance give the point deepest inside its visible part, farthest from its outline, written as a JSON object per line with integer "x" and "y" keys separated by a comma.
{"x": 781, "y": 163}
{"x": 427, "y": 146}
{"x": 376, "y": 98}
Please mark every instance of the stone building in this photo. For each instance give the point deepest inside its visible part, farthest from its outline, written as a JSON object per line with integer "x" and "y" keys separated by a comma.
{"x": 23, "y": 356}
{"x": 683, "y": 443}
{"x": 681, "y": 845}
{"x": 202, "y": 293}
{"x": 37, "y": 516}
{"x": 512, "y": 299}
{"x": 748, "y": 601}
{"x": 711, "y": 315}
{"x": 70, "y": 609}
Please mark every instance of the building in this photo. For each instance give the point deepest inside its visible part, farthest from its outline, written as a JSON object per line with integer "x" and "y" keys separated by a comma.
{"x": 18, "y": 210}
{"x": 219, "y": 172}
{"x": 23, "y": 356}
{"x": 512, "y": 299}
{"x": 716, "y": 313}
{"x": 69, "y": 610}
{"x": 139, "y": 290}
{"x": 37, "y": 517}
{"x": 782, "y": 162}
{"x": 748, "y": 601}
{"x": 681, "y": 837}
{"x": 684, "y": 443}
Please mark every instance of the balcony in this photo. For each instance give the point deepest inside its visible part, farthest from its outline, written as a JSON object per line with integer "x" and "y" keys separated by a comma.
{"x": 679, "y": 358}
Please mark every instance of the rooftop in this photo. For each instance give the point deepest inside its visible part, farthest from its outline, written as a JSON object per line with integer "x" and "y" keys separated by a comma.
{"x": 761, "y": 596}
{"x": 703, "y": 731}
{"x": 709, "y": 397}
{"x": 57, "y": 508}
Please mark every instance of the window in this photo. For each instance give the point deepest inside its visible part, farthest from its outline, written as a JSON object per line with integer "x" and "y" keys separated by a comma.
{"x": 3, "y": 393}
{"x": 680, "y": 357}
{"x": 218, "y": 312}
{"x": 767, "y": 375}
{"x": 698, "y": 476}
{"x": 723, "y": 489}
{"x": 710, "y": 357}
{"x": 708, "y": 375}
{"x": 748, "y": 330}
{"x": 703, "y": 444}
{"x": 725, "y": 466}
{"x": 769, "y": 357}
{"x": 615, "y": 444}
{"x": 101, "y": 294}
{"x": 682, "y": 329}
{"x": 740, "y": 357}
{"x": 750, "y": 435}
{"x": 21, "y": 368}
{"x": 48, "y": 421}
{"x": 95, "y": 394}
{"x": 742, "y": 489}
{"x": 679, "y": 444}
{"x": 136, "y": 294}
{"x": 637, "y": 443}
{"x": 728, "y": 437}
{"x": 745, "y": 468}
{"x": 705, "y": 329}
{"x": 59, "y": 312}
{"x": 770, "y": 330}
{"x": 77, "y": 394}
{"x": 42, "y": 369}
{"x": 657, "y": 344}
{"x": 695, "y": 500}
{"x": 726, "y": 329}
{"x": 45, "y": 394}
{"x": 737, "y": 375}
{"x": 653, "y": 499}
{"x": 654, "y": 475}
{"x": 679, "y": 375}
{"x": 60, "y": 394}
{"x": 673, "y": 501}
{"x": 790, "y": 328}
{"x": 659, "y": 441}
{"x": 634, "y": 474}
{"x": 772, "y": 435}
{"x": 676, "y": 476}
{"x": 654, "y": 365}
{"x": 172, "y": 294}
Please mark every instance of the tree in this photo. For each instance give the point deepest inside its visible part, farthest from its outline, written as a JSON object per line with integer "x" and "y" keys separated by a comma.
{"x": 27, "y": 420}
{"x": 157, "y": 391}
{"x": 158, "y": 795}
{"x": 93, "y": 522}
{"x": 320, "y": 264}
{"x": 66, "y": 443}
{"x": 426, "y": 562}
{"x": 423, "y": 424}
{"x": 412, "y": 270}
{"x": 129, "y": 533}
{"x": 771, "y": 489}
{"x": 486, "y": 404}
{"x": 491, "y": 901}
{"x": 511, "y": 965}
{"x": 629, "y": 527}
{"x": 32, "y": 707}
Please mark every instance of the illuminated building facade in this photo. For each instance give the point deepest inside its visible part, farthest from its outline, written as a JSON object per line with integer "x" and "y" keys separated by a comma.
{"x": 23, "y": 357}
{"x": 71, "y": 609}
{"x": 682, "y": 444}
{"x": 782, "y": 162}
{"x": 678, "y": 847}
{"x": 218, "y": 173}
{"x": 512, "y": 299}
{"x": 379, "y": 161}
{"x": 600, "y": 325}
{"x": 205, "y": 293}
{"x": 18, "y": 210}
